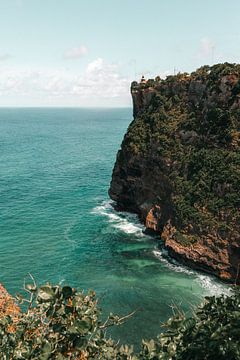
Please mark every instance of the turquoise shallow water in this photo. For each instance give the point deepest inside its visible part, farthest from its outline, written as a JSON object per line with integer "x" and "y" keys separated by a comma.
{"x": 56, "y": 220}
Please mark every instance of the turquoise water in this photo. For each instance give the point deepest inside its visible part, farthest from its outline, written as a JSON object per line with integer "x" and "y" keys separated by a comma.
{"x": 56, "y": 220}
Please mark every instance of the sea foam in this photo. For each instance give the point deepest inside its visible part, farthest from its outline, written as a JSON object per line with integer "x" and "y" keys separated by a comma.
{"x": 123, "y": 221}
{"x": 129, "y": 224}
{"x": 211, "y": 285}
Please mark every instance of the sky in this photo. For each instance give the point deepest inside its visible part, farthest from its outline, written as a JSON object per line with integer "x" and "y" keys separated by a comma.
{"x": 85, "y": 53}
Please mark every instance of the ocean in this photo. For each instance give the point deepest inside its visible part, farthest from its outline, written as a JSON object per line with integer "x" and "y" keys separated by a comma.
{"x": 57, "y": 221}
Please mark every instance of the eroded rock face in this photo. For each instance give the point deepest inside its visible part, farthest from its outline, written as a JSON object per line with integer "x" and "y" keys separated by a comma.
{"x": 179, "y": 166}
{"x": 153, "y": 218}
{"x": 209, "y": 253}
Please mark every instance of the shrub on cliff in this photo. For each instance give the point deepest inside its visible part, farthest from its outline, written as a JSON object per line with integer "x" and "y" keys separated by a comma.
{"x": 63, "y": 323}
{"x": 211, "y": 333}
{"x": 59, "y": 323}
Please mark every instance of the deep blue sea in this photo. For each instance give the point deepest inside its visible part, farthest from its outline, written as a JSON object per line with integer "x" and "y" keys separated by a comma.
{"x": 57, "y": 222}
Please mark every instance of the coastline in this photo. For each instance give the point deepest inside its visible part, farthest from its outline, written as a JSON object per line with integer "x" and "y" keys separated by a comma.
{"x": 178, "y": 166}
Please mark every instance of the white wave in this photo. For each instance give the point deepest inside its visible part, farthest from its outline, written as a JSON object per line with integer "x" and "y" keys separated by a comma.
{"x": 162, "y": 255}
{"x": 129, "y": 228}
{"x": 113, "y": 217}
{"x": 129, "y": 224}
{"x": 207, "y": 282}
{"x": 121, "y": 220}
{"x": 103, "y": 208}
{"x": 212, "y": 286}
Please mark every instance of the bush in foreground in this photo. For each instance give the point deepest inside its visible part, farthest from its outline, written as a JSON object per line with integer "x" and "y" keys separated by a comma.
{"x": 63, "y": 323}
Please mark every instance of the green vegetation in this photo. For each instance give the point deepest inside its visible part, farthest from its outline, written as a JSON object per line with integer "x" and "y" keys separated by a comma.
{"x": 59, "y": 323}
{"x": 193, "y": 123}
{"x": 63, "y": 323}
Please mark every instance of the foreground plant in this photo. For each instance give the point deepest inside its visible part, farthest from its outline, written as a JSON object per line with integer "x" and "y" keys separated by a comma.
{"x": 59, "y": 323}
{"x": 212, "y": 333}
{"x": 63, "y": 323}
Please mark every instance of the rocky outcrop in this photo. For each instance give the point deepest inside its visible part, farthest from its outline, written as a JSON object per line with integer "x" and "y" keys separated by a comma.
{"x": 7, "y": 305}
{"x": 179, "y": 166}
{"x": 209, "y": 253}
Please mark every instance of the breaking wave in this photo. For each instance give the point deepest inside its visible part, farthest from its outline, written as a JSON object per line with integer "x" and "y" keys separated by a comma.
{"x": 172, "y": 264}
{"x": 121, "y": 220}
{"x": 211, "y": 285}
{"x": 129, "y": 224}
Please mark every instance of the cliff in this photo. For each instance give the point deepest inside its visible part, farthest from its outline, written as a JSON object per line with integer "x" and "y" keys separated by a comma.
{"x": 179, "y": 165}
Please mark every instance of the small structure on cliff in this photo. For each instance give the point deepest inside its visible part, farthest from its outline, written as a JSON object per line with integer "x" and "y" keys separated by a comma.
{"x": 143, "y": 80}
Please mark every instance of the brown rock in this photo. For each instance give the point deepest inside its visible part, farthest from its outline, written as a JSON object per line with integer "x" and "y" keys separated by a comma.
{"x": 153, "y": 218}
{"x": 7, "y": 304}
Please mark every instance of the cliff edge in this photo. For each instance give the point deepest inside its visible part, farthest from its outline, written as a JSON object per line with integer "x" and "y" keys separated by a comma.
{"x": 179, "y": 166}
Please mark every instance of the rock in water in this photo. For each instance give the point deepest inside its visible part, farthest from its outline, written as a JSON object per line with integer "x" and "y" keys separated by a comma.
{"x": 179, "y": 166}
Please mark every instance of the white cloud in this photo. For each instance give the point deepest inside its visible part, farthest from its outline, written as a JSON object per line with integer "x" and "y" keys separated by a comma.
{"x": 99, "y": 84}
{"x": 4, "y": 57}
{"x": 76, "y": 52}
{"x": 101, "y": 79}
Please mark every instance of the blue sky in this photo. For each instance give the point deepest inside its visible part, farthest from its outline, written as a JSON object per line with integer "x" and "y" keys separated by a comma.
{"x": 86, "y": 53}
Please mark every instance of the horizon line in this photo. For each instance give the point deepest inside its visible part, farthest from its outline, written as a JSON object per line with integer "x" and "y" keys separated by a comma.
{"x": 65, "y": 107}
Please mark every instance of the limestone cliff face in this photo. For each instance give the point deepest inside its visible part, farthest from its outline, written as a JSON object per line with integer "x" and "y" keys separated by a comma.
{"x": 179, "y": 165}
